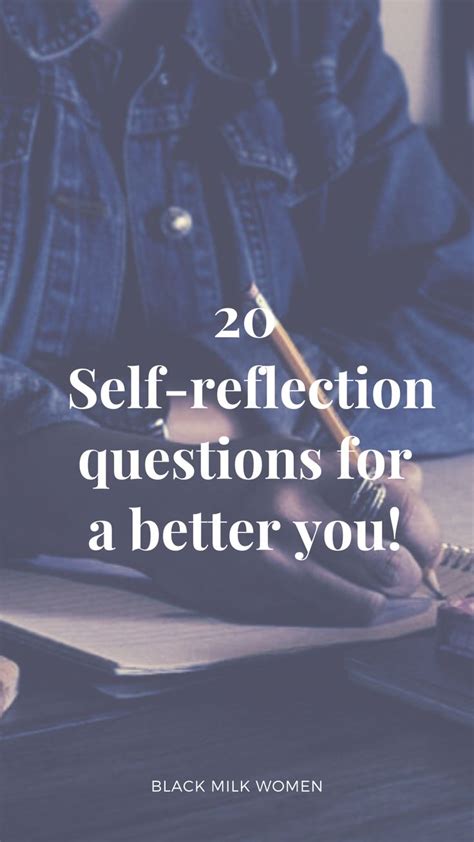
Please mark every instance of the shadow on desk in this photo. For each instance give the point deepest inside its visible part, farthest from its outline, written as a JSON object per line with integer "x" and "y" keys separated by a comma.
{"x": 77, "y": 767}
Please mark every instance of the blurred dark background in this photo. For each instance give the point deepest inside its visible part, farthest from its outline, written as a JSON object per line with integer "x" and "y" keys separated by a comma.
{"x": 433, "y": 40}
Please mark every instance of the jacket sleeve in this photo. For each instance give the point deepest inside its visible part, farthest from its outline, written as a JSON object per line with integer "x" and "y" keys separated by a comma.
{"x": 28, "y": 402}
{"x": 387, "y": 237}
{"x": 394, "y": 266}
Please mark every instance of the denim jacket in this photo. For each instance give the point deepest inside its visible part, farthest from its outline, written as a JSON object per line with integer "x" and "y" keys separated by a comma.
{"x": 278, "y": 132}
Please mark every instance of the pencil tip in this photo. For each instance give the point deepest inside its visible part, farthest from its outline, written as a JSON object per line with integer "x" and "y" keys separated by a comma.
{"x": 432, "y": 581}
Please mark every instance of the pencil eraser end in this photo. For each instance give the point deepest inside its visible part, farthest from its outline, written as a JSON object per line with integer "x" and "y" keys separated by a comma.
{"x": 252, "y": 291}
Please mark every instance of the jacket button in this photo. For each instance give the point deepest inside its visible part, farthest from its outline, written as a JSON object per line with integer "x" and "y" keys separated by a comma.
{"x": 164, "y": 79}
{"x": 176, "y": 223}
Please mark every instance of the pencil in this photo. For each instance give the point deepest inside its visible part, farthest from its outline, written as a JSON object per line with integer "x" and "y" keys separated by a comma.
{"x": 298, "y": 366}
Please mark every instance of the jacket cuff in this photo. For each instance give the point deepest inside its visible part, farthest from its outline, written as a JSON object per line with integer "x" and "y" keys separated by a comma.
{"x": 29, "y": 402}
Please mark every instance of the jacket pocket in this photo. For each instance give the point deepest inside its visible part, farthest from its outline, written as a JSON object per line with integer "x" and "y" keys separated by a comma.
{"x": 17, "y": 123}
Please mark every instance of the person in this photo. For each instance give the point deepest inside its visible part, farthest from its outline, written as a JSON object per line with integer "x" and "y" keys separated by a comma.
{"x": 156, "y": 158}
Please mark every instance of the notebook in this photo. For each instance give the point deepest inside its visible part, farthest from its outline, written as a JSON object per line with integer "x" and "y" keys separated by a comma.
{"x": 106, "y": 618}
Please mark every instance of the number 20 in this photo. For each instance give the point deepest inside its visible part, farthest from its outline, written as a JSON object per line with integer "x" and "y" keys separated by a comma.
{"x": 227, "y": 332}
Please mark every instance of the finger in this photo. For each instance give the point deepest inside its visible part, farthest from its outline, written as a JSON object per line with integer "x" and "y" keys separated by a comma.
{"x": 334, "y": 601}
{"x": 272, "y": 588}
{"x": 389, "y": 571}
{"x": 417, "y": 529}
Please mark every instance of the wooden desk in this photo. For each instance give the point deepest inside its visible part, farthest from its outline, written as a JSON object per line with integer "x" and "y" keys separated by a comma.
{"x": 78, "y": 767}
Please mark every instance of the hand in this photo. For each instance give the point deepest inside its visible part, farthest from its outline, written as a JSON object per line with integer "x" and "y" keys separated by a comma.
{"x": 55, "y": 507}
{"x": 329, "y": 588}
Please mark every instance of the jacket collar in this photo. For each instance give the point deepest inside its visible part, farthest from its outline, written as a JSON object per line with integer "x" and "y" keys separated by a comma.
{"x": 231, "y": 39}
{"x": 229, "y": 36}
{"x": 48, "y": 29}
